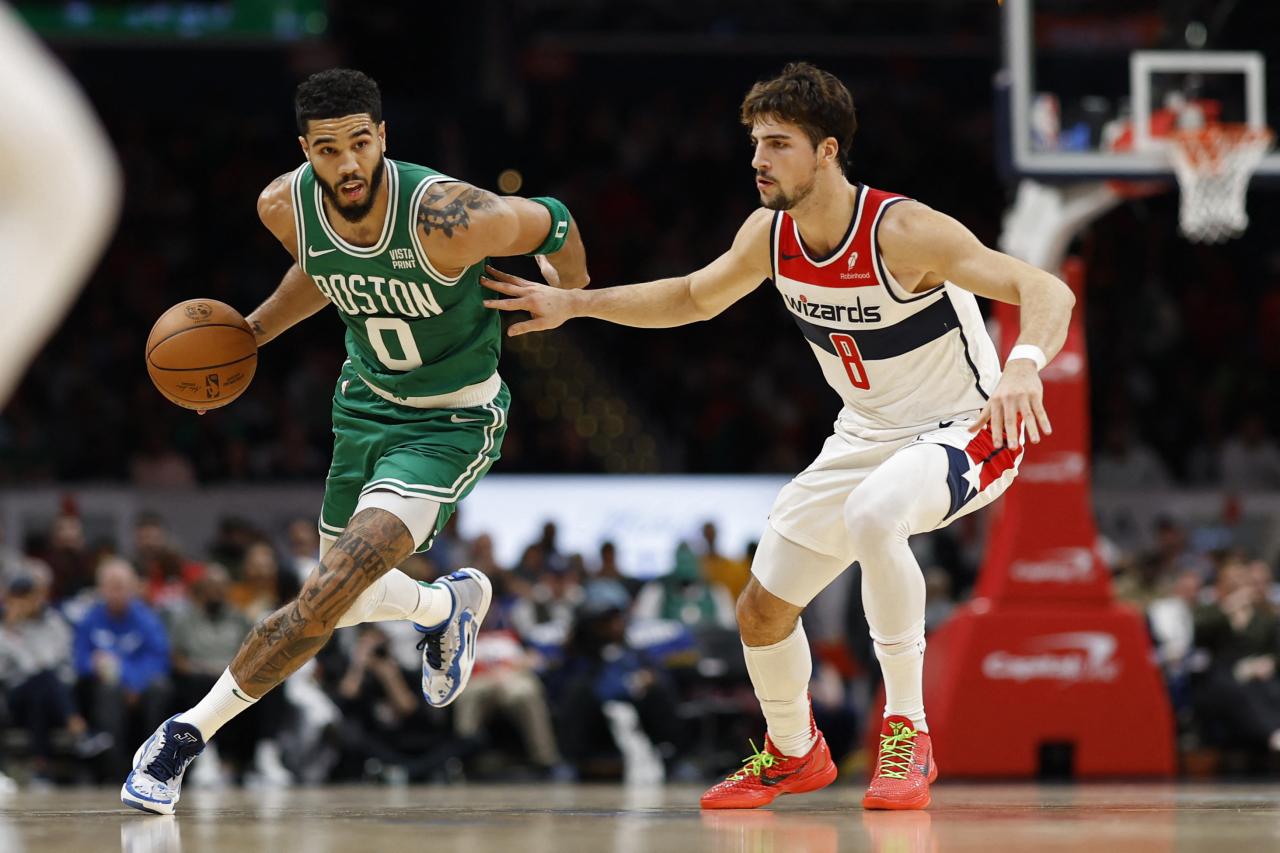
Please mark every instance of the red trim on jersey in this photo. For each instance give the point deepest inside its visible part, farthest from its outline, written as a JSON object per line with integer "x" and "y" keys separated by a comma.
{"x": 852, "y": 266}
{"x": 981, "y": 449}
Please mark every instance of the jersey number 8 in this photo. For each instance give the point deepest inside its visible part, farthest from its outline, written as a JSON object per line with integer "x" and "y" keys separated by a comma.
{"x": 847, "y": 352}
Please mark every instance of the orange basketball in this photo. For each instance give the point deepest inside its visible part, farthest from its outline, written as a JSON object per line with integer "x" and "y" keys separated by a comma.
{"x": 201, "y": 354}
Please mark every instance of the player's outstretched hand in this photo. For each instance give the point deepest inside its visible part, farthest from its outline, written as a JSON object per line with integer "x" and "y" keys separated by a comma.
{"x": 549, "y": 306}
{"x": 1018, "y": 397}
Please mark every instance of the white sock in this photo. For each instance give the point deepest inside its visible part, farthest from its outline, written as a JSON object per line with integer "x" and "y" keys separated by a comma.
{"x": 395, "y": 595}
{"x": 218, "y": 707}
{"x": 902, "y": 664}
{"x": 780, "y": 675}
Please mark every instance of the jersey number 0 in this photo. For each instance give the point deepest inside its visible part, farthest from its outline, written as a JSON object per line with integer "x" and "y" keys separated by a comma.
{"x": 375, "y": 327}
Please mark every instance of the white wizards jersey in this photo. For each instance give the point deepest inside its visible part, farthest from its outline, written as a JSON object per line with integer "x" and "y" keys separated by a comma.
{"x": 900, "y": 361}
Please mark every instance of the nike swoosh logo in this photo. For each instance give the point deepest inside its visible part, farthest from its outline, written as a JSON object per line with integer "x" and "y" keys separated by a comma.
{"x": 240, "y": 695}
{"x": 770, "y": 781}
{"x": 944, "y": 424}
{"x": 787, "y": 257}
{"x": 312, "y": 253}
{"x": 457, "y": 420}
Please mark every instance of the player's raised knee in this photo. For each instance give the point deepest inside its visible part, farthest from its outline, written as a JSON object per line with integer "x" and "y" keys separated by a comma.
{"x": 869, "y": 522}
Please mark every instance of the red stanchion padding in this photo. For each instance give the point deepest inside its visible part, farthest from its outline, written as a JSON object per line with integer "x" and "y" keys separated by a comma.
{"x": 1042, "y": 664}
{"x": 1042, "y": 545}
{"x": 1012, "y": 691}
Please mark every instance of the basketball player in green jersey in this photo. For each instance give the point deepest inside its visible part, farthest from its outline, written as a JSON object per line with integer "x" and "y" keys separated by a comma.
{"x": 419, "y": 411}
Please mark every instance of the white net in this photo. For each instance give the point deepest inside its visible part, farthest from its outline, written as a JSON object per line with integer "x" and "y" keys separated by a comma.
{"x": 1213, "y": 166}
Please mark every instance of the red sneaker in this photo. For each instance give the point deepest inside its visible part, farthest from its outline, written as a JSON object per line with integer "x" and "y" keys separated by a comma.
{"x": 767, "y": 774}
{"x": 904, "y": 768}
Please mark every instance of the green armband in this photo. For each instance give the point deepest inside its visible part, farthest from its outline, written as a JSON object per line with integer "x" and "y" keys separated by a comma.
{"x": 559, "y": 226}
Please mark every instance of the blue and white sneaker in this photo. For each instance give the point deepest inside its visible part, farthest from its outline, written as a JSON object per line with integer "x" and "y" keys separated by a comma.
{"x": 449, "y": 649}
{"x": 155, "y": 783}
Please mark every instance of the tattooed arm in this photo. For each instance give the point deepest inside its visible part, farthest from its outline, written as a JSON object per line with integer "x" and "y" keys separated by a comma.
{"x": 460, "y": 225}
{"x": 296, "y": 297}
{"x": 374, "y": 542}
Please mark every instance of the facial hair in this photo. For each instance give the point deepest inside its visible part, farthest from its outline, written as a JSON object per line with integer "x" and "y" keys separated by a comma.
{"x": 782, "y": 201}
{"x": 355, "y": 212}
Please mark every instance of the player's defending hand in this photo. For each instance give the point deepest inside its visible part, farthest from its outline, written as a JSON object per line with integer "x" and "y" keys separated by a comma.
{"x": 1019, "y": 396}
{"x": 549, "y": 305}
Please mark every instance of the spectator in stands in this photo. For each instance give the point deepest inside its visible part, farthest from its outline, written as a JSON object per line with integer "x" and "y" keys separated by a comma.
{"x": 166, "y": 575}
{"x": 504, "y": 683}
{"x": 479, "y": 554}
{"x": 1264, "y": 582}
{"x": 122, "y": 660}
{"x": 683, "y": 595}
{"x": 1250, "y": 458}
{"x": 609, "y": 575}
{"x": 1171, "y": 618}
{"x": 719, "y": 569}
{"x": 544, "y": 616}
{"x": 235, "y": 535}
{"x": 12, "y": 563}
{"x": 304, "y": 547}
{"x": 385, "y": 729}
{"x": 550, "y": 547}
{"x": 35, "y": 659}
{"x": 68, "y": 557}
{"x": 203, "y": 643}
{"x": 258, "y": 591}
{"x": 613, "y": 701}
{"x": 1240, "y": 694}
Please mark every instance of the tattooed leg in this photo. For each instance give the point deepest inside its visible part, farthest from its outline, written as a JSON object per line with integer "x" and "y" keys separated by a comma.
{"x": 374, "y": 541}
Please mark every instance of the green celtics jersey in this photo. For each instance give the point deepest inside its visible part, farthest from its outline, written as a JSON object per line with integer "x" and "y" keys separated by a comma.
{"x": 411, "y": 331}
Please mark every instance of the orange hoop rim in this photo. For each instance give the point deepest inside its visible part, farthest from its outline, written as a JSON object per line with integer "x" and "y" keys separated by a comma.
{"x": 1208, "y": 145}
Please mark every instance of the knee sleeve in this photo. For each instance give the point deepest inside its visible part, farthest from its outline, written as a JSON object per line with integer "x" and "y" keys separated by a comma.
{"x": 418, "y": 514}
{"x": 793, "y": 572}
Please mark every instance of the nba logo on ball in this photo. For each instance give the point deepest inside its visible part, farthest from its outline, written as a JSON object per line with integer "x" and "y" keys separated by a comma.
{"x": 199, "y": 311}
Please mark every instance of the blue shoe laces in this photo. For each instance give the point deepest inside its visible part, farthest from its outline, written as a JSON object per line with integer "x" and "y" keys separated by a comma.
{"x": 173, "y": 758}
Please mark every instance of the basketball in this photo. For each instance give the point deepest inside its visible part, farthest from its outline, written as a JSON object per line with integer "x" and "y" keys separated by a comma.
{"x": 201, "y": 354}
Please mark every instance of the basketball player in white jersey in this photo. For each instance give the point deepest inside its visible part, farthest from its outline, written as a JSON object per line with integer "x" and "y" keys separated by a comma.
{"x": 882, "y": 288}
{"x": 62, "y": 190}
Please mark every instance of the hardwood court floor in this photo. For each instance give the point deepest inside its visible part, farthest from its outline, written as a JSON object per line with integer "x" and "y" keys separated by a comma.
{"x": 567, "y": 819}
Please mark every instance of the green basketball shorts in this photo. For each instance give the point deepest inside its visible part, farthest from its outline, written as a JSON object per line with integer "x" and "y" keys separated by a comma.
{"x": 432, "y": 453}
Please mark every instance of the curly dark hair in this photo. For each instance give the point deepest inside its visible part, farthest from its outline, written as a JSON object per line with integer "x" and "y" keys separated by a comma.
{"x": 806, "y": 96}
{"x": 335, "y": 93}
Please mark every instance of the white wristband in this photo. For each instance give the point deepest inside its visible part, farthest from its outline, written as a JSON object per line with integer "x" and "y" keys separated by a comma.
{"x": 1030, "y": 351}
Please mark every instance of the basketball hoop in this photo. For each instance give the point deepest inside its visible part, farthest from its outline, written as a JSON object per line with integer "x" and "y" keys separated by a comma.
{"x": 1213, "y": 165}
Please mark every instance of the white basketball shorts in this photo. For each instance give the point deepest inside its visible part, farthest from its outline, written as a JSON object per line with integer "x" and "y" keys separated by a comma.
{"x": 809, "y": 510}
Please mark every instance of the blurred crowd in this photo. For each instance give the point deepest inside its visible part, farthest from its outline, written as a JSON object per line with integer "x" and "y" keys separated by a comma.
{"x": 1214, "y": 617}
{"x": 582, "y": 672}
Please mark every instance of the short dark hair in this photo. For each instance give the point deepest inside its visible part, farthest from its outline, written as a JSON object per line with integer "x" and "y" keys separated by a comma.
{"x": 804, "y": 95}
{"x": 335, "y": 93}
